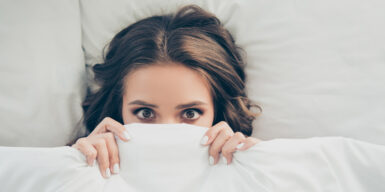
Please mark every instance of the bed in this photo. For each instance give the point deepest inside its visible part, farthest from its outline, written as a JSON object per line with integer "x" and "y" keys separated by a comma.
{"x": 317, "y": 69}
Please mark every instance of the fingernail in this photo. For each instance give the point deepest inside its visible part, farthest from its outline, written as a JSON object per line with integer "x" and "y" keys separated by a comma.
{"x": 94, "y": 162}
{"x": 108, "y": 173}
{"x": 204, "y": 140}
{"x": 240, "y": 145}
{"x": 116, "y": 168}
{"x": 126, "y": 135}
{"x": 224, "y": 159}
{"x": 211, "y": 160}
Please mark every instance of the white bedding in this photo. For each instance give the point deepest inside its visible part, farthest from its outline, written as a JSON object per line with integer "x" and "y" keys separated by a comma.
{"x": 42, "y": 73}
{"x": 168, "y": 157}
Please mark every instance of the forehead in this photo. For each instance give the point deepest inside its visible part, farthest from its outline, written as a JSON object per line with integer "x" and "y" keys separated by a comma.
{"x": 166, "y": 83}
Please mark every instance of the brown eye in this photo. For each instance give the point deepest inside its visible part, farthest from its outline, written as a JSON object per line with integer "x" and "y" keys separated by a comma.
{"x": 144, "y": 113}
{"x": 191, "y": 114}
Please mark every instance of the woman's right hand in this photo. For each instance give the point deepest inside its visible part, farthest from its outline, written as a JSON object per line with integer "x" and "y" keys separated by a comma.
{"x": 101, "y": 145}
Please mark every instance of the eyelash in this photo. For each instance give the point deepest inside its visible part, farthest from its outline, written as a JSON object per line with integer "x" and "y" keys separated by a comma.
{"x": 196, "y": 109}
{"x": 200, "y": 112}
{"x": 136, "y": 111}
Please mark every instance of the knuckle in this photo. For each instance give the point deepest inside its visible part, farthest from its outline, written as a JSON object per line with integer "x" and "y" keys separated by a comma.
{"x": 252, "y": 140}
{"x": 227, "y": 137}
{"x": 100, "y": 142}
{"x": 107, "y": 119}
{"x": 116, "y": 123}
{"x": 239, "y": 135}
{"x": 92, "y": 153}
{"x": 228, "y": 148}
{"x": 226, "y": 152}
{"x": 109, "y": 136}
{"x": 228, "y": 134}
{"x": 223, "y": 124}
{"x": 82, "y": 141}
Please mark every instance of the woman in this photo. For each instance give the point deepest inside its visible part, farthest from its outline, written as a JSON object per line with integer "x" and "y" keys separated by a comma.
{"x": 181, "y": 68}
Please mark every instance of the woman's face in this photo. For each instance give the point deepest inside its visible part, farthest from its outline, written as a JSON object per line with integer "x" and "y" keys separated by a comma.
{"x": 170, "y": 93}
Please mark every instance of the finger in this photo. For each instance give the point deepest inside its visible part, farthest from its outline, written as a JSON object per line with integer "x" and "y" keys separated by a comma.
{"x": 248, "y": 142}
{"x": 87, "y": 149}
{"x": 212, "y": 133}
{"x": 230, "y": 146}
{"x": 109, "y": 124}
{"x": 113, "y": 152}
{"x": 218, "y": 143}
{"x": 103, "y": 160}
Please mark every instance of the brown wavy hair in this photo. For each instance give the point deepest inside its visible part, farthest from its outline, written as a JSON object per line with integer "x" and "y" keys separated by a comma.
{"x": 192, "y": 37}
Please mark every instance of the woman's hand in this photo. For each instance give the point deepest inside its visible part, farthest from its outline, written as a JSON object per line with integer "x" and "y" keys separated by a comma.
{"x": 101, "y": 144}
{"x": 224, "y": 140}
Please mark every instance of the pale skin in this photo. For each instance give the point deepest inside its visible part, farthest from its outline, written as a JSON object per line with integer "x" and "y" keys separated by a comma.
{"x": 166, "y": 93}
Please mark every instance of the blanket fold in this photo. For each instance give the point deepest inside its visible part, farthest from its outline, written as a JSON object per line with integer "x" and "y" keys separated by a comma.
{"x": 169, "y": 157}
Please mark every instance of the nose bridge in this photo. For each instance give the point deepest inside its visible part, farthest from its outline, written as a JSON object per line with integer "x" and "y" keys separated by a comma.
{"x": 167, "y": 115}
{"x": 169, "y": 119}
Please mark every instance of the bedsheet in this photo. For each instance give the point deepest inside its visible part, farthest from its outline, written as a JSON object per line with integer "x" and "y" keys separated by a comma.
{"x": 169, "y": 157}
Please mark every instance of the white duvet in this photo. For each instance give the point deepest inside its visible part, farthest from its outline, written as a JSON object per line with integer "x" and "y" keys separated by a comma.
{"x": 169, "y": 157}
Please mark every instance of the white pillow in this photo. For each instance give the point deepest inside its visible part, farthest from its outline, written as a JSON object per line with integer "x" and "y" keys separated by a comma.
{"x": 317, "y": 68}
{"x": 42, "y": 72}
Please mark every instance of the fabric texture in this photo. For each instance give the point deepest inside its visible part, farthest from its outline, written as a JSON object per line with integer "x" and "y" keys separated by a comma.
{"x": 42, "y": 72}
{"x": 169, "y": 157}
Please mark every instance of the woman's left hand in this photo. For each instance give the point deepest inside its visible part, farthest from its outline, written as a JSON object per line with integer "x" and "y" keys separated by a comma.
{"x": 222, "y": 139}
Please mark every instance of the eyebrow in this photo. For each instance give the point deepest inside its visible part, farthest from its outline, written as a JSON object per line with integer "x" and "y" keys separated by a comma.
{"x": 181, "y": 106}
